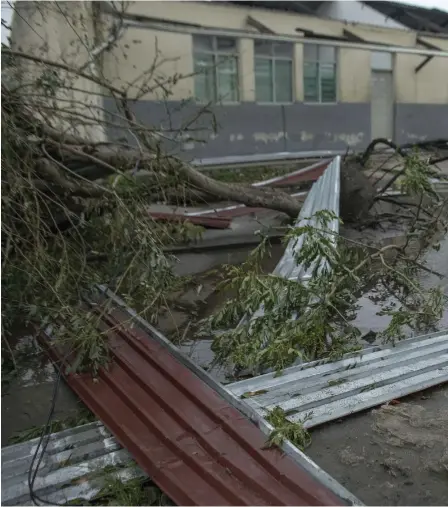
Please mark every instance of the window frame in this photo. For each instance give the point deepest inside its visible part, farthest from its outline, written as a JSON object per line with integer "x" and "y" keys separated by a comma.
{"x": 215, "y": 53}
{"x": 273, "y": 58}
{"x": 319, "y": 63}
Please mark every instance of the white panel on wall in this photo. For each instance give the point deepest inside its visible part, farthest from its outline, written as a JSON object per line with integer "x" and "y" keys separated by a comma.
{"x": 381, "y": 60}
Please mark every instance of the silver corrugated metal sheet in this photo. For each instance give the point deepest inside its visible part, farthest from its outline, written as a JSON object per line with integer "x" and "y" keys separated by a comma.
{"x": 321, "y": 391}
{"x": 324, "y": 195}
{"x": 73, "y": 466}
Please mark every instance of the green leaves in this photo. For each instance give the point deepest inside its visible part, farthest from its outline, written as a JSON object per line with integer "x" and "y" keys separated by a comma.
{"x": 314, "y": 320}
{"x": 287, "y": 430}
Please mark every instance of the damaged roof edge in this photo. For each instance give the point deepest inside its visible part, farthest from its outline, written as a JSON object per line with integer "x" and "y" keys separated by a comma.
{"x": 292, "y": 451}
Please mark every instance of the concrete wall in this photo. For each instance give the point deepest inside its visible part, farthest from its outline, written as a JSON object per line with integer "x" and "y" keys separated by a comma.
{"x": 62, "y": 32}
{"x": 248, "y": 128}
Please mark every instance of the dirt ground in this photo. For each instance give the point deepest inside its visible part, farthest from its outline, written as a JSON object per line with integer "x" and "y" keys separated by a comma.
{"x": 394, "y": 455}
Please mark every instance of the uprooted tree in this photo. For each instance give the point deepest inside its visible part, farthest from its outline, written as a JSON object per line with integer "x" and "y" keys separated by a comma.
{"x": 74, "y": 213}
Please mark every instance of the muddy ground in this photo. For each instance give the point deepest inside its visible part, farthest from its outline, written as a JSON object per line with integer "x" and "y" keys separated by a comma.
{"x": 394, "y": 455}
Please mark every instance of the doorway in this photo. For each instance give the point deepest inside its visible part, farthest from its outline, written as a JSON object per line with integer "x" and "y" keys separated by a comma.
{"x": 382, "y": 95}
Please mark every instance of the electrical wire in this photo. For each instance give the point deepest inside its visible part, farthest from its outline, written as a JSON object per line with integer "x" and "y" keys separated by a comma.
{"x": 45, "y": 435}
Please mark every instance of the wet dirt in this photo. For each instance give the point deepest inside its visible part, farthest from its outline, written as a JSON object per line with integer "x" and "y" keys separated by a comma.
{"x": 393, "y": 455}
{"x": 27, "y": 394}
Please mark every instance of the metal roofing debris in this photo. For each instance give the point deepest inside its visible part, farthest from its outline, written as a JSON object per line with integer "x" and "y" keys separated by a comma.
{"x": 324, "y": 195}
{"x": 309, "y": 173}
{"x": 209, "y": 222}
{"x": 73, "y": 466}
{"x": 322, "y": 391}
{"x": 184, "y": 430}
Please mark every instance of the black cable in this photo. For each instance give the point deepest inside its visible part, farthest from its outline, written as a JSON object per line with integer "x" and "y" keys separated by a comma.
{"x": 45, "y": 433}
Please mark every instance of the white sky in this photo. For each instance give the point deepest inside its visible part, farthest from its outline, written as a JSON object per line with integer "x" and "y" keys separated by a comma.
{"x": 439, "y": 4}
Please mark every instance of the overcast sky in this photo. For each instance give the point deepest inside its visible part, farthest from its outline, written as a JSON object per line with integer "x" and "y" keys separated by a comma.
{"x": 439, "y": 4}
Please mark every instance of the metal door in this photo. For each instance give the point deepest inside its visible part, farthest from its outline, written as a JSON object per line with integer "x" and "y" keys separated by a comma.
{"x": 382, "y": 111}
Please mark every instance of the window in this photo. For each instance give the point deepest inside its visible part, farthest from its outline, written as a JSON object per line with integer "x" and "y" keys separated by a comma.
{"x": 216, "y": 69}
{"x": 273, "y": 71}
{"x": 319, "y": 73}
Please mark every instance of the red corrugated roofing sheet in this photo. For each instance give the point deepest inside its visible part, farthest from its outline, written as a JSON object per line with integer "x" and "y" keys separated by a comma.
{"x": 294, "y": 178}
{"x": 196, "y": 446}
{"x": 205, "y": 221}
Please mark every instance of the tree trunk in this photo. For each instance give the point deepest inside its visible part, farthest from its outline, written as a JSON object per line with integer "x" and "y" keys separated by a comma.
{"x": 357, "y": 192}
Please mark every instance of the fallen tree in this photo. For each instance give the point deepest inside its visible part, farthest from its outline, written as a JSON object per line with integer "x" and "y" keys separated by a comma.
{"x": 75, "y": 208}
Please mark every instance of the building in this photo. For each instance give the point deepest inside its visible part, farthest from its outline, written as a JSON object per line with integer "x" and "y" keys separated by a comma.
{"x": 282, "y": 76}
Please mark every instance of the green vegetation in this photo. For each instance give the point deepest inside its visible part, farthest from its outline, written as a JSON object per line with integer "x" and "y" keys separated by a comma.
{"x": 287, "y": 430}
{"x": 324, "y": 308}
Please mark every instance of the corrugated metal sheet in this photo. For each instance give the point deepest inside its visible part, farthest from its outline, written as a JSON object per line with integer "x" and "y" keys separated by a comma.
{"x": 309, "y": 173}
{"x": 209, "y": 222}
{"x": 183, "y": 431}
{"x": 321, "y": 391}
{"x": 73, "y": 466}
{"x": 324, "y": 195}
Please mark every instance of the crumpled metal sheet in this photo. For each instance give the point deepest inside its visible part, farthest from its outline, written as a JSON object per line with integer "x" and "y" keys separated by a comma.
{"x": 73, "y": 466}
{"x": 324, "y": 195}
{"x": 321, "y": 391}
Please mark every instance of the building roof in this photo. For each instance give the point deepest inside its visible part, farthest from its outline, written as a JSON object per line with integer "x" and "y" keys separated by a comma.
{"x": 416, "y": 18}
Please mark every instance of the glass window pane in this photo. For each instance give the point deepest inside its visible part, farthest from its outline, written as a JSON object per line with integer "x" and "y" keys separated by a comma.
{"x": 227, "y": 71}
{"x": 204, "y": 79}
{"x": 227, "y": 44}
{"x": 202, "y": 42}
{"x": 284, "y": 49}
{"x": 327, "y": 54}
{"x": 328, "y": 82}
{"x": 311, "y": 82}
{"x": 262, "y": 47}
{"x": 283, "y": 81}
{"x": 310, "y": 52}
{"x": 263, "y": 80}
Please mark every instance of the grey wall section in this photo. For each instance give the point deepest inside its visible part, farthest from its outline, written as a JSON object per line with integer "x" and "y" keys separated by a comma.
{"x": 419, "y": 122}
{"x": 247, "y": 128}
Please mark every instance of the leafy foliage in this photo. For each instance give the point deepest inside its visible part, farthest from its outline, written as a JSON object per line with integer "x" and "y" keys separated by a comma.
{"x": 56, "y": 245}
{"x": 287, "y": 430}
{"x": 314, "y": 320}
